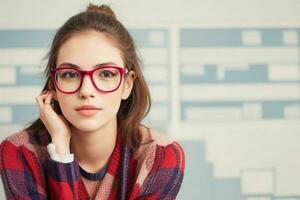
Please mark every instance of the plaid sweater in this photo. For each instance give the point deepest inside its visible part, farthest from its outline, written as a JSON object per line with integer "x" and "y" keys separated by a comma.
{"x": 155, "y": 171}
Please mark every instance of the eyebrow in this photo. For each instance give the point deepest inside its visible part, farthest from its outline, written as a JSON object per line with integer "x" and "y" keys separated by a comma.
{"x": 95, "y": 66}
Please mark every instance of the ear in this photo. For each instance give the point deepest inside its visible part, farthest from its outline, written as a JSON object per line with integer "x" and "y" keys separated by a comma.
{"x": 128, "y": 84}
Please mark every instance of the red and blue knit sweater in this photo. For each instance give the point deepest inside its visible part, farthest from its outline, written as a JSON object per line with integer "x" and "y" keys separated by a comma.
{"x": 155, "y": 171}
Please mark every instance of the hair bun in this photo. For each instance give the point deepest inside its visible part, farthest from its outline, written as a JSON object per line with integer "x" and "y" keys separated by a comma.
{"x": 104, "y": 9}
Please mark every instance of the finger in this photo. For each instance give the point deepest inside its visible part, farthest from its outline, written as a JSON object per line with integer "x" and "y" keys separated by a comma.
{"x": 48, "y": 99}
{"x": 44, "y": 92}
{"x": 40, "y": 100}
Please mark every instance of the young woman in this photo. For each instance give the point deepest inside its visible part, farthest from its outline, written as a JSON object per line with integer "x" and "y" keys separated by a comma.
{"x": 88, "y": 142}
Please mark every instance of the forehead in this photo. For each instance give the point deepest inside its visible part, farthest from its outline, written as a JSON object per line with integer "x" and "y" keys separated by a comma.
{"x": 89, "y": 48}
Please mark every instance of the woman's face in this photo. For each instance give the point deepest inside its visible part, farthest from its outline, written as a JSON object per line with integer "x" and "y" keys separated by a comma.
{"x": 87, "y": 49}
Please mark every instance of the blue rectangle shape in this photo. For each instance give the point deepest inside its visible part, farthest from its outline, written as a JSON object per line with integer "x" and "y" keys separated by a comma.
{"x": 231, "y": 37}
{"x": 272, "y": 37}
{"x": 29, "y": 79}
{"x": 26, "y": 38}
{"x": 210, "y": 37}
{"x": 197, "y": 171}
{"x": 275, "y": 109}
{"x": 256, "y": 73}
{"x": 22, "y": 113}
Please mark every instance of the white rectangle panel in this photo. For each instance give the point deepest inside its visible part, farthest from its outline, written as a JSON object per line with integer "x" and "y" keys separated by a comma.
{"x": 156, "y": 37}
{"x": 5, "y": 114}
{"x": 284, "y": 72}
{"x": 220, "y": 73}
{"x": 7, "y": 75}
{"x": 32, "y": 70}
{"x": 257, "y": 182}
{"x": 193, "y": 70}
{"x": 21, "y": 56}
{"x": 292, "y": 111}
{"x": 161, "y": 66}
{"x": 290, "y": 37}
{"x": 159, "y": 93}
{"x": 154, "y": 55}
{"x": 251, "y": 37}
{"x": 220, "y": 113}
{"x": 239, "y": 55}
{"x": 252, "y": 110}
{"x": 159, "y": 113}
{"x": 240, "y": 92}
{"x": 156, "y": 74}
{"x": 19, "y": 95}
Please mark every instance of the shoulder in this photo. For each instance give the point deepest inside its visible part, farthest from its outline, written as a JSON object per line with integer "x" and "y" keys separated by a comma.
{"x": 159, "y": 152}
{"x": 160, "y": 142}
{"x": 25, "y": 143}
{"x": 28, "y": 137}
{"x": 160, "y": 165}
{"x": 14, "y": 141}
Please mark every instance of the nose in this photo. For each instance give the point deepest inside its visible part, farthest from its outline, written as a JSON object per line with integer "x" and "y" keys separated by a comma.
{"x": 87, "y": 88}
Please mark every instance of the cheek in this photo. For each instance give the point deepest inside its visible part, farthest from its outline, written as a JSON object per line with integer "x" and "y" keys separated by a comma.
{"x": 66, "y": 105}
{"x": 112, "y": 102}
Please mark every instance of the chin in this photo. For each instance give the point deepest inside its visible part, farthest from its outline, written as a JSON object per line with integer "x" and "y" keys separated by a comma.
{"x": 88, "y": 125}
{"x": 93, "y": 123}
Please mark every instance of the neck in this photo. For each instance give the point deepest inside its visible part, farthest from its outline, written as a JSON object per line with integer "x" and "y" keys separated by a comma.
{"x": 94, "y": 148}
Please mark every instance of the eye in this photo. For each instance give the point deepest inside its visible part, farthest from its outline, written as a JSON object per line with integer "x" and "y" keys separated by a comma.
{"x": 107, "y": 73}
{"x": 69, "y": 74}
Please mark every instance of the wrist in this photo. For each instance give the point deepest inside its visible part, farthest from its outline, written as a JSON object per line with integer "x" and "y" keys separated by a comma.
{"x": 62, "y": 146}
{"x": 64, "y": 158}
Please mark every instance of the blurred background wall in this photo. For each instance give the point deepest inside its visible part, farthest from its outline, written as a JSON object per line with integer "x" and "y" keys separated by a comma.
{"x": 224, "y": 77}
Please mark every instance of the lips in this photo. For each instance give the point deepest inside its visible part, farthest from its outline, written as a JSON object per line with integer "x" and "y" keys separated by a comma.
{"x": 87, "y": 110}
{"x": 87, "y": 107}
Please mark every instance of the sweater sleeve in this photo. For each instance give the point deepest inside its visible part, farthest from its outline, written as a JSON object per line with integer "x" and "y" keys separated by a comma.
{"x": 165, "y": 178}
{"x": 22, "y": 178}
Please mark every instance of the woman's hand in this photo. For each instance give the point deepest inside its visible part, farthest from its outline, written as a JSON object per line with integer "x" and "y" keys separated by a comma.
{"x": 57, "y": 125}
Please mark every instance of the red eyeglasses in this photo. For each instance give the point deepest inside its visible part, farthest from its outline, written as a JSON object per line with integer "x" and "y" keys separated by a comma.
{"x": 69, "y": 80}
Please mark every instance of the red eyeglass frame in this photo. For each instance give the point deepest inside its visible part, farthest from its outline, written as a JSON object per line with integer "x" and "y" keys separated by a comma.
{"x": 122, "y": 71}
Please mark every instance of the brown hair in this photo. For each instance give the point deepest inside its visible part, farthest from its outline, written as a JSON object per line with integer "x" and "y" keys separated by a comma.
{"x": 102, "y": 19}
